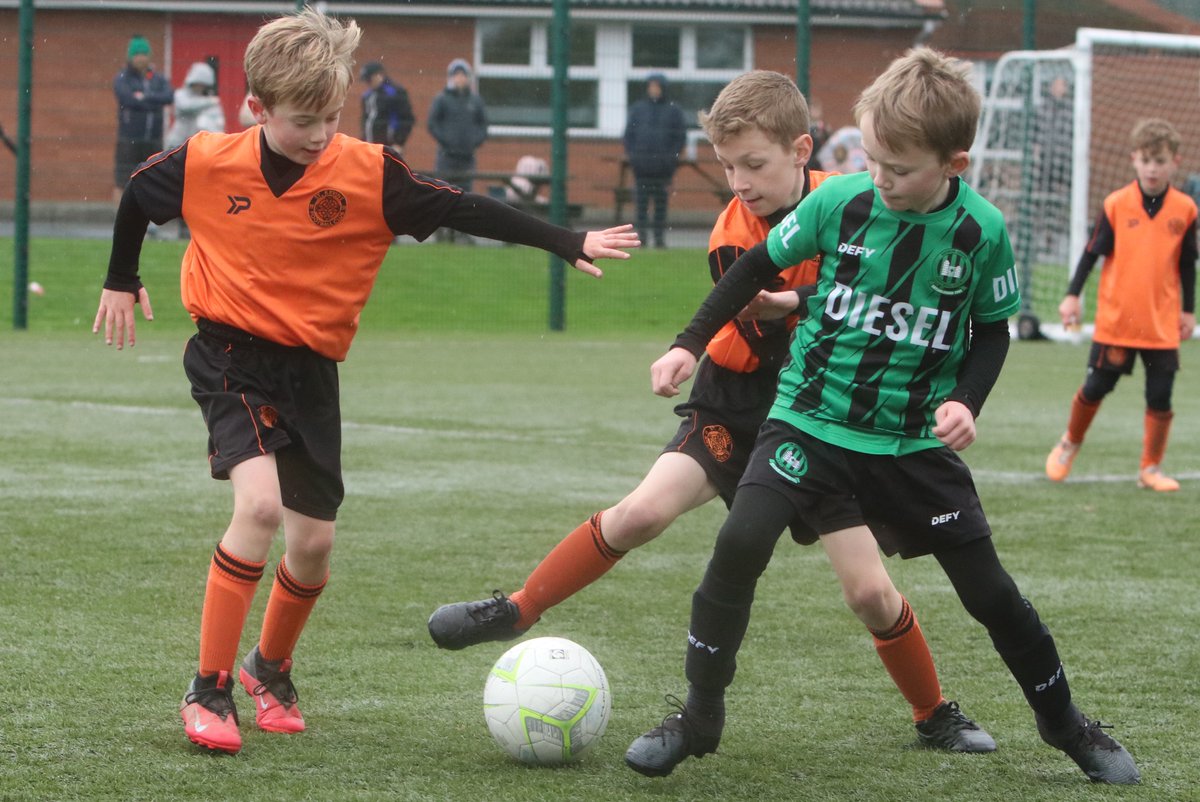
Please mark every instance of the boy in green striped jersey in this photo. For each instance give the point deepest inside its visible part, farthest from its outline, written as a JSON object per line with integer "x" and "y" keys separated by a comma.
{"x": 901, "y": 345}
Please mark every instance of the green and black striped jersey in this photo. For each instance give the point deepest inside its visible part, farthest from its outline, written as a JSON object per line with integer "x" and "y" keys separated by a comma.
{"x": 889, "y": 325}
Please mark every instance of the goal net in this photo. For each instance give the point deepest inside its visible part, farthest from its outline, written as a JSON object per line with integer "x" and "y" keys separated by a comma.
{"x": 1054, "y": 141}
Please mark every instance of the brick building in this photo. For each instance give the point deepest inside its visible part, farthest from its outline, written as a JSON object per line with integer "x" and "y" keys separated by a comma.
{"x": 698, "y": 44}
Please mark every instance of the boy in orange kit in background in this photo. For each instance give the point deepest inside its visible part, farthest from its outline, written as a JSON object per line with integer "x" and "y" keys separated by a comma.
{"x": 1146, "y": 303}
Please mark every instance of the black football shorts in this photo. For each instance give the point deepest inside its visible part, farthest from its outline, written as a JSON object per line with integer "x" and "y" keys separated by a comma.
{"x": 1119, "y": 359}
{"x": 915, "y": 504}
{"x": 720, "y": 422}
{"x": 258, "y": 397}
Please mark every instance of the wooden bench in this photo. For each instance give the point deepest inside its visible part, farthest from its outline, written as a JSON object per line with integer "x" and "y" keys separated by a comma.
{"x": 502, "y": 187}
{"x": 623, "y": 190}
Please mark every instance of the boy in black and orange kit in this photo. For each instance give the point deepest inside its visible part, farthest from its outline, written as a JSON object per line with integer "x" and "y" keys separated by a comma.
{"x": 1146, "y": 303}
{"x": 290, "y": 222}
{"x": 759, "y": 129}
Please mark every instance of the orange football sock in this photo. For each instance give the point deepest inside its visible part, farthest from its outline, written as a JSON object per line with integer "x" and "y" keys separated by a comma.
{"x": 577, "y": 561}
{"x": 906, "y": 656}
{"x": 1157, "y": 426}
{"x": 1082, "y": 412}
{"x": 287, "y": 613}
{"x": 227, "y": 596}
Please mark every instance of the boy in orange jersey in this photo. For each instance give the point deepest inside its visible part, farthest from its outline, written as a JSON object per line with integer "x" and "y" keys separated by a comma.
{"x": 290, "y": 222}
{"x": 1146, "y": 303}
{"x": 759, "y": 129}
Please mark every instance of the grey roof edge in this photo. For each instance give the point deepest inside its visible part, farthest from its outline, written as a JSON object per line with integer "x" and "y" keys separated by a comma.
{"x": 821, "y": 11}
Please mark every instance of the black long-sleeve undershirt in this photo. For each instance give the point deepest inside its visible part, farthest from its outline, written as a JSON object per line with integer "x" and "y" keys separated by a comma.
{"x": 981, "y": 367}
{"x": 484, "y": 216}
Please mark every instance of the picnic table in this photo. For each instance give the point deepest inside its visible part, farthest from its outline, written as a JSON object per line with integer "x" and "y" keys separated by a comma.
{"x": 522, "y": 190}
{"x": 623, "y": 189}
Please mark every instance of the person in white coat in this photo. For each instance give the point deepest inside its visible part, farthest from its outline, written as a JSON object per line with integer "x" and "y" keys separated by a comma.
{"x": 197, "y": 106}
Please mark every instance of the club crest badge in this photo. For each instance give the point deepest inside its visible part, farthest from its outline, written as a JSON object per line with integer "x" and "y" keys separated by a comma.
{"x": 790, "y": 462}
{"x": 327, "y": 208}
{"x": 719, "y": 442}
{"x": 952, "y": 272}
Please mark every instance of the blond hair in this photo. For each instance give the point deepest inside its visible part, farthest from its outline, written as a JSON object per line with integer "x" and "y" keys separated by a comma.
{"x": 304, "y": 59}
{"x": 761, "y": 99}
{"x": 1154, "y": 134}
{"x": 923, "y": 99}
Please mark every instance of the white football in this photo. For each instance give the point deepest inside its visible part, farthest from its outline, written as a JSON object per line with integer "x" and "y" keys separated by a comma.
{"x": 546, "y": 701}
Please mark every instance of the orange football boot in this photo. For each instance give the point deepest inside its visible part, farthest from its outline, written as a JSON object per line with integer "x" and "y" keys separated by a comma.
{"x": 1058, "y": 464}
{"x": 1153, "y": 478}
{"x": 269, "y": 683}
{"x": 209, "y": 716}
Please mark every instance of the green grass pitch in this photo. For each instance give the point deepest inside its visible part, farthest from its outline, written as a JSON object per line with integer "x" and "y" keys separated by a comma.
{"x": 474, "y": 440}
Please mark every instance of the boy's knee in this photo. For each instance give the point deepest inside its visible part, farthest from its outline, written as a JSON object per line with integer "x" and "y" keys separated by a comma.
{"x": 313, "y": 546}
{"x": 871, "y": 601}
{"x": 633, "y": 523}
{"x": 261, "y": 511}
{"x": 1098, "y": 384}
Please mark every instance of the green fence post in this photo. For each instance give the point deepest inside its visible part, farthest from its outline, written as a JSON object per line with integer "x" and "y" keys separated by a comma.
{"x": 803, "y": 45}
{"x": 21, "y": 193}
{"x": 560, "y": 45}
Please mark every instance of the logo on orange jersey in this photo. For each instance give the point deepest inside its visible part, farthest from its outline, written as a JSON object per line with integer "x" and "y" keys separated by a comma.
{"x": 268, "y": 415}
{"x": 1176, "y": 227}
{"x": 327, "y": 208}
{"x": 719, "y": 442}
{"x": 237, "y": 204}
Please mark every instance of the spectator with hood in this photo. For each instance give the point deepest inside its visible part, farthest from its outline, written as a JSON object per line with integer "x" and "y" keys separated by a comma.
{"x": 458, "y": 123}
{"x": 197, "y": 107}
{"x": 655, "y": 133}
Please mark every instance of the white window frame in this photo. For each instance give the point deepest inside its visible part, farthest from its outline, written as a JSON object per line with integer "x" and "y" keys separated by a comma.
{"x": 612, "y": 71}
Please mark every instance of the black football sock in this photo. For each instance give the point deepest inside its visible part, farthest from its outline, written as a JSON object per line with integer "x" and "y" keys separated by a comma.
{"x": 720, "y": 615}
{"x": 1033, "y": 659}
{"x": 706, "y": 714}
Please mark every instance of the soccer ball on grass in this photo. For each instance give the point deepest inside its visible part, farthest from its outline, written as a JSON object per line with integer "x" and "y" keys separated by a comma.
{"x": 546, "y": 701}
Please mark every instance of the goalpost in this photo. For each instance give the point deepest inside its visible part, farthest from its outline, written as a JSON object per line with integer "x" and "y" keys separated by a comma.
{"x": 1054, "y": 141}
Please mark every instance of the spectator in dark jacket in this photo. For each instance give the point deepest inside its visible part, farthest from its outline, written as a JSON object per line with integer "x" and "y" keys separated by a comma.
{"x": 655, "y": 133}
{"x": 141, "y": 96}
{"x": 458, "y": 122}
{"x": 387, "y": 115}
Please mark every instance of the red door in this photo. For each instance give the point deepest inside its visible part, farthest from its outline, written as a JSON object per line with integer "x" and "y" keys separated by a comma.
{"x": 221, "y": 41}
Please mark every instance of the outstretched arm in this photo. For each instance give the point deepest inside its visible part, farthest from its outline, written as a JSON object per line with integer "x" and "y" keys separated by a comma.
{"x": 483, "y": 216}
